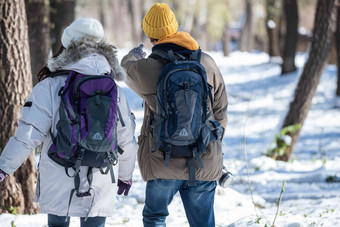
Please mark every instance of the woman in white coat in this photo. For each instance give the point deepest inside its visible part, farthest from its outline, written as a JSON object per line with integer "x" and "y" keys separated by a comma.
{"x": 83, "y": 51}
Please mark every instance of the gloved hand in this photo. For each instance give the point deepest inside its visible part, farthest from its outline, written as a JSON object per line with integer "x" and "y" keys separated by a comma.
{"x": 138, "y": 52}
{"x": 124, "y": 186}
{"x": 3, "y": 175}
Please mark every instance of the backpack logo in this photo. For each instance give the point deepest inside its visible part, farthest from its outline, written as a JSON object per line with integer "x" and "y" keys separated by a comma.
{"x": 97, "y": 136}
{"x": 183, "y": 132}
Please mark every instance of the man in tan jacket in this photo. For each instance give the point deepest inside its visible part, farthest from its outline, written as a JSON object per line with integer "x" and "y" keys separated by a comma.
{"x": 163, "y": 182}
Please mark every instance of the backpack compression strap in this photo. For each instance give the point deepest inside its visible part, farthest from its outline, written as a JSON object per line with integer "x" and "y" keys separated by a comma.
{"x": 89, "y": 176}
{"x": 108, "y": 169}
{"x": 81, "y": 194}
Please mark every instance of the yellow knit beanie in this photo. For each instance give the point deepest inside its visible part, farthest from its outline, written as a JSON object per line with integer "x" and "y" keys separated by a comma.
{"x": 159, "y": 21}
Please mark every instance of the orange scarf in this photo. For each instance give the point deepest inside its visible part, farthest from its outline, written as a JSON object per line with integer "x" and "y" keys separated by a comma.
{"x": 180, "y": 38}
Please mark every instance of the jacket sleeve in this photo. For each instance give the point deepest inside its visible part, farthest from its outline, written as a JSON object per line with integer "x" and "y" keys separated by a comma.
{"x": 34, "y": 124}
{"x": 134, "y": 80}
{"x": 215, "y": 78}
{"x": 142, "y": 77}
{"x": 220, "y": 101}
{"x": 126, "y": 139}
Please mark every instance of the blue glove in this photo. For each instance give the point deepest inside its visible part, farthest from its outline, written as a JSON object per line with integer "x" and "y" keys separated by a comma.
{"x": 138, "y": 52}
{"x": 124, "y": 186}
{"x": 3, "y": 175}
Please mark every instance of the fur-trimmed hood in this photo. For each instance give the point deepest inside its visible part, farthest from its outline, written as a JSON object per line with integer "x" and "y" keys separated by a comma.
{"x": 80, "y": 49}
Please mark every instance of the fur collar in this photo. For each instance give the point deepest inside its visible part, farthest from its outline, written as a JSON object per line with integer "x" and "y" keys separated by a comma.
{"x": 80, "y": 48}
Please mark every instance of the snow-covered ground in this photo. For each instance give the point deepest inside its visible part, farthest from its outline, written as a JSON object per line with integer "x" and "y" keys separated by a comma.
{"x": 258, "y": 101}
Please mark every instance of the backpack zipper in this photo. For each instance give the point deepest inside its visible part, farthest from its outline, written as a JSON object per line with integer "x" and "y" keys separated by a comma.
{"x": 173, "y": 114}
{"x": 86, "y": 123}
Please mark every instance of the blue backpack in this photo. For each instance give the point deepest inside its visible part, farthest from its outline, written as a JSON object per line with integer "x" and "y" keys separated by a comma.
{"x": 87, "y": 128}
{"x": 183, "y": 125}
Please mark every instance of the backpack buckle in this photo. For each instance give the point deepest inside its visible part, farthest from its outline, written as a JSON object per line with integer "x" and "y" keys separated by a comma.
{"x": 110, "y": 158}
{"x": 83, "y": 194}
{"x": 73, "y": 122}
{"x": 186, "y": 86}
{"x": 81, "y": 154}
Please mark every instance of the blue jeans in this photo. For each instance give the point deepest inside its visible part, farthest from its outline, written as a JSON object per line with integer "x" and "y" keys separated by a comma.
{"x": 59, "y": 221}
{"x": 198, "y": 202}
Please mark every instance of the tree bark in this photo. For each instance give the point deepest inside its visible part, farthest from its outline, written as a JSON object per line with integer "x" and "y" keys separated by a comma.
{"x": 16, "y": 190}
{"x": 247, "y": 34}
{"x": 292, "y": 21}
{"x": 38, "y": 33}
{"x": 273, "y": 11}
{"x": 324, "y": 28}
{"x": 337, "y": 39}
{"x": 62, "y": 14}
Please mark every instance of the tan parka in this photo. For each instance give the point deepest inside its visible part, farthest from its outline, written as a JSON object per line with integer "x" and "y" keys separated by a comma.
{"x": 142, "y": 77}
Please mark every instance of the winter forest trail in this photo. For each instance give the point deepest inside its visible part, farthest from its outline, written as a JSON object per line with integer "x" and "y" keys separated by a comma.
{"x": 258, "y": 101}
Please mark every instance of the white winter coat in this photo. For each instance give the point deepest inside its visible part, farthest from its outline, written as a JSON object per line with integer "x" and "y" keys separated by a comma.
{"x": 53, "y": 185}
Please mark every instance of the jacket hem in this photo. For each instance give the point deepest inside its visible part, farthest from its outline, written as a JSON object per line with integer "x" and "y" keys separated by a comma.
{"x": 180, "y": 178}
{"x": 76, "y": 214}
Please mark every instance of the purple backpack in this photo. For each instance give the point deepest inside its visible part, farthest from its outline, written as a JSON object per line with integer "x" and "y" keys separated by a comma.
{"x": 87, "y": 128}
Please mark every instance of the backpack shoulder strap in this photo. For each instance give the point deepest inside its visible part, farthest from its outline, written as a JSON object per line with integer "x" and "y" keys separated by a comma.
{"x": 166, "y": 57}
{"x": 161, "y": 56}
{"x": 170, "y": 56}
{"x": 195, "y": 55}
{"x": 59, "y": 73}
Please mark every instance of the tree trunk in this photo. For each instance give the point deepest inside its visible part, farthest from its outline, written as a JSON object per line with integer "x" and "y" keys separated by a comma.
{"x": 16, "y": 190}
{"x": 102, "y": 8}
{"x": 120, "y": 23}
{"x": 273, "y": 12}
{"x": 199, "y": 23}
{"x": 195, "y": 30}
{"x": 189, "y": 16}
{"x": 247, "y": 34}
{"x": 62, "y": 14}
{"x": 145, "y": 6}
{"x": 38, "y": 33}
{"x": 292, "y": 21}
{"x": 324, "y": 28}
{"x": 337, "y": 39}
{"x": 226, "y": 40}
{"x": 135, "y": 13}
